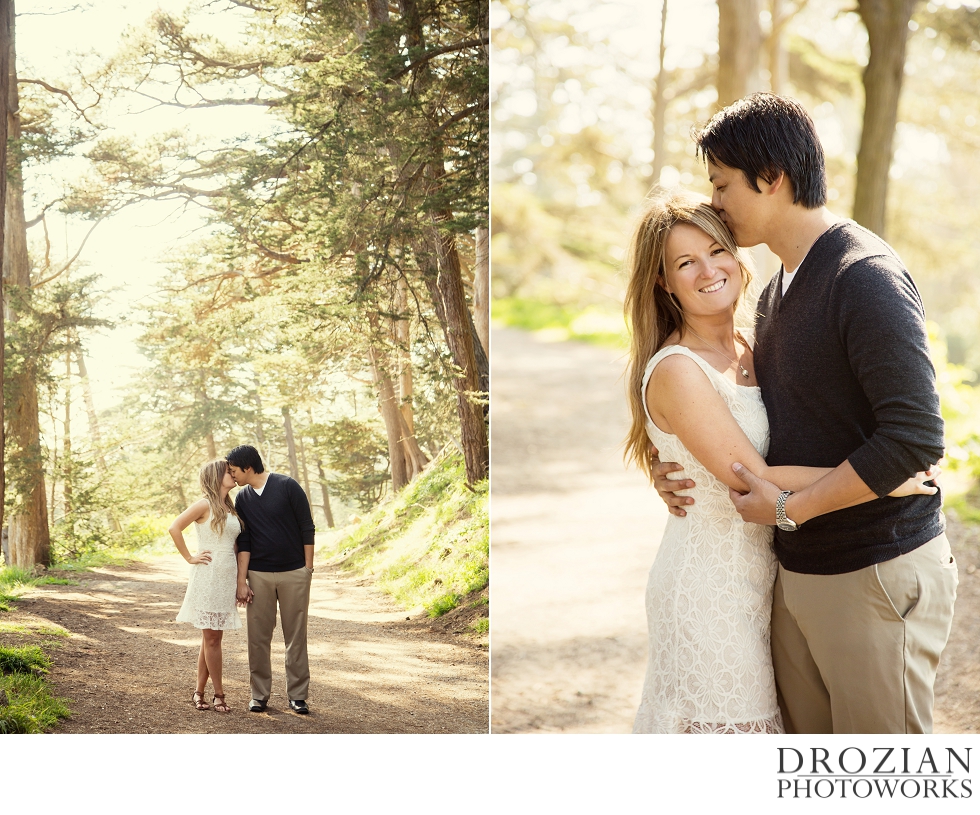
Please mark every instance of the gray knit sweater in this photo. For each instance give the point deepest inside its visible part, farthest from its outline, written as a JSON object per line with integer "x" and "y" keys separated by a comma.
{"x": 845, "y": 373}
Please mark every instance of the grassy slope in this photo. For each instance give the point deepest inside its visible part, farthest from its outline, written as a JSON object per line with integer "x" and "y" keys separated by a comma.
{"x": 26, "y": 703}
{"x": 429, "y": 546}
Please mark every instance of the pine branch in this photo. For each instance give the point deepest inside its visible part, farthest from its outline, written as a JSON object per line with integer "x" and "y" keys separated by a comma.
{"x": 435, "y": 52}
{"x": 62, "y": 92}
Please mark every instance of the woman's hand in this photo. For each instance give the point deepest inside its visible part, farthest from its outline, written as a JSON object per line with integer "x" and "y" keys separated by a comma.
{"x": 243, "y": 595}
{"x": 201, "y": 558}
{"x": 668, "y": 488}
{"x": 917, "y": 485}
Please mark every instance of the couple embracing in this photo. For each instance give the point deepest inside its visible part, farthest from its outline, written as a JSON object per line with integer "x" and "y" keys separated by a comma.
{"x": 256, "y": 552}
{"x": 822, "y": 421}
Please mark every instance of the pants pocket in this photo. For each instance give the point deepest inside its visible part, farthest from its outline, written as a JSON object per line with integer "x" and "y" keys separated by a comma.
{"x": 946, "y": 559}
{"x": 898, "y": 583}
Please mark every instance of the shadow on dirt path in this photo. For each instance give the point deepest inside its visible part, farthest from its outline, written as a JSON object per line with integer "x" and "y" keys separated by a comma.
{"x": 574, "y": 535}
{"x": 127, "y": 667}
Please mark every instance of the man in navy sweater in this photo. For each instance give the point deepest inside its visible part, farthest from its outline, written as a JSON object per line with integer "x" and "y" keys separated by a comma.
{"x": 864, "y": 594}
{"x": 275, "y": 567}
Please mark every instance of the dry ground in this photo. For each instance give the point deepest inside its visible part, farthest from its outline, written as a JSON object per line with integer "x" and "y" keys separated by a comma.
{"x": 574, "y": 535}
{"x": 127, "y": 667}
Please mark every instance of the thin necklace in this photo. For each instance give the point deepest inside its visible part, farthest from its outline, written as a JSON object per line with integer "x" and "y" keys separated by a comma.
{"x": 738, "y": 364}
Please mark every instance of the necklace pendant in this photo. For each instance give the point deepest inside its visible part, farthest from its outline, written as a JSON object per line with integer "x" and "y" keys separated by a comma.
{"x": 744, "y": 372}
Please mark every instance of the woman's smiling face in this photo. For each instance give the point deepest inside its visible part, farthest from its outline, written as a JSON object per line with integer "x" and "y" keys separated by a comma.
{"x": 704, "y": 276}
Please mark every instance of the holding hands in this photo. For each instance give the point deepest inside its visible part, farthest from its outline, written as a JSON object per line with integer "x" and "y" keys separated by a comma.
{"x": 244, "y": 595}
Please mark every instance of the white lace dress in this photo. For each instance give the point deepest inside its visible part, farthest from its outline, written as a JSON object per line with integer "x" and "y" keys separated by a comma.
{"x": 709, "y": 595}
{"x": 210, "y": 598}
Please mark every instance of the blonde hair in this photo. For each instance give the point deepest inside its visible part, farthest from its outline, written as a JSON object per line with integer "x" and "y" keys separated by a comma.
{"x": 652, "y": 314}
{"x": 212, "y": 474}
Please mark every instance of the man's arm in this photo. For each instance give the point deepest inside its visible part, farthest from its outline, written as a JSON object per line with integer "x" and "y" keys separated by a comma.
{"x": 304, "y": 518}
{"x": 243, "y": 544}
{"x": 882, "y": 326}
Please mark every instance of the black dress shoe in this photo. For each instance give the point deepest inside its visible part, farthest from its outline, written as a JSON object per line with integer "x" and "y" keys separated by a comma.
{"x": 256, "y": 706}
{"x": 298, "y": 706}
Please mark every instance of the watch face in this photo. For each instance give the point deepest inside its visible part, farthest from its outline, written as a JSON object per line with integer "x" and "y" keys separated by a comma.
{"x": 787, "y": 525}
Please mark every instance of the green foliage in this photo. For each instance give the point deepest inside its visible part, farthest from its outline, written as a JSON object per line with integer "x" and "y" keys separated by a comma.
{"x": 143, "y": 531}
{"x": 83, "y": 527}
{"x": 45, "y": 320}
{"x": 960, "y": 402}
{"x": 358, "y": 454}
{"x": 600, "y": 326}
{"x": 26, "y": 659}
{"x": 31, "y": 708}
{"x": 12, "y": 577}
{"x": 966, "y": 507}
{"x": 44, "y": 630}
{"x": 429, "y": 545}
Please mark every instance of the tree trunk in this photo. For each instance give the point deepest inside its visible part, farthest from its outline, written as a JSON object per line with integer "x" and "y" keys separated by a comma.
{"x": 202, "y": 399}
{"x": 415, "y": 459}
{"x": 327, "y": 512}
{"x": 481, "y": 288}
{"x": 660, "y": 102}
{"x": 440, "y": 266}
{"x": 290, "y": 444}
{"x": 777, "y": 53}
{"x": 93, "y": 417}
{"x": 30, "y": 539}
{"x": 390, "y": 415}
{"x": 739, "y": 44}
{"x": 439, "y": 263}
{"x": 93, "y": 423}
{"x": 302, "y": 469}
{"x": 322, "y": 478}
{"x": 55, "y": 463}
{"x": 6, "y": 45}
{"x": 887, "y": 22}
{"x": 67, "y": 489}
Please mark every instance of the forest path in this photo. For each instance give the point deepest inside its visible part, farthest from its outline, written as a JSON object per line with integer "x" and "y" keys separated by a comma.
{"x": 574, "y": 535}
{"x": 128, "y": 667}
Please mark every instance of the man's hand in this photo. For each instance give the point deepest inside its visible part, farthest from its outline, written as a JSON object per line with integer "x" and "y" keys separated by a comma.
{"x": 668, "y": 488}
{"x": 243, "y": 595}
{"x": 758, "y": 505}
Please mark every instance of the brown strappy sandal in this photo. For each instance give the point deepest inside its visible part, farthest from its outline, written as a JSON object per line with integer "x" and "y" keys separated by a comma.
{"x": 220, "y": 706}
{"x": 199, "y": 702}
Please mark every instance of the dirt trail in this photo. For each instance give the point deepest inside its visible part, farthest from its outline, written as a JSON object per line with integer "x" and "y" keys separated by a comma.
{"x": 574, "y": 535}
{"x": 127, "y": 667}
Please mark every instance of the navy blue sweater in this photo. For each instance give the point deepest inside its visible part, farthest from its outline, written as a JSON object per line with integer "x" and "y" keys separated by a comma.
{"x": 278, "y": 524}
{"x": 845, "y": 373}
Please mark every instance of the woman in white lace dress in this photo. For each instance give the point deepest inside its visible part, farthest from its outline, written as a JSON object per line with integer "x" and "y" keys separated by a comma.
{"x": 210, "y": 602}
{"x": 693, "y": 393}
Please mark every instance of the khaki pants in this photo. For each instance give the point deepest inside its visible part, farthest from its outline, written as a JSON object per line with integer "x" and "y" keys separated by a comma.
{"x": 858, "y": 652}
{"x": 291, "y": 590}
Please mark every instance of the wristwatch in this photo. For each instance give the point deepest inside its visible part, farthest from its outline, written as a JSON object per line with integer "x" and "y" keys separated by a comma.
{"x": 782, "y": 521}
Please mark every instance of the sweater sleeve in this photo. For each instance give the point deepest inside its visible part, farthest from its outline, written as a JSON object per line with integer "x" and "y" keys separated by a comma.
{"x": 301, "y": 511}
{"x": 244, "y": 539}
{"x": 883, "y": 329}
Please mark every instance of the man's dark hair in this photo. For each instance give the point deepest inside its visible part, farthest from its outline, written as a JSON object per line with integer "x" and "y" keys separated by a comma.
{"x": 762, "y": 135}
{"x": 245, "y": 456}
